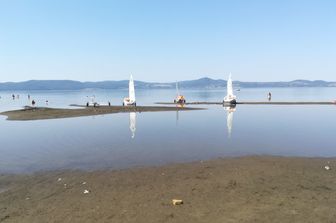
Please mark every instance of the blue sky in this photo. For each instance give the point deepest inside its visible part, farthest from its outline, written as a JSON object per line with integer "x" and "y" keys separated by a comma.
{"x": 167, "y": 40}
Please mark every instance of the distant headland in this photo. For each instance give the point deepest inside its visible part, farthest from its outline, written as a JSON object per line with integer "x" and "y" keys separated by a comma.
{"x": 202, "y": 83}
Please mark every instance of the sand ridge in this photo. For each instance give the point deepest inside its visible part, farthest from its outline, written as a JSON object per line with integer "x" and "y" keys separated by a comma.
{"x": 38, "y": 113}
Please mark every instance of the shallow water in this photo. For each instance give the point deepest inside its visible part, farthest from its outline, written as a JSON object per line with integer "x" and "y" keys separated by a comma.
{"x": 126, "y": 140}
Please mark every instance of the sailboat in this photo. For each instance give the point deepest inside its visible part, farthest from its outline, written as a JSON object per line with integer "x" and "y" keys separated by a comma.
{"x": 179, "y": 98}
{"x": 132, "y": 123}
{"x": 230, "y": 98}
{"x": 131, "y": 94}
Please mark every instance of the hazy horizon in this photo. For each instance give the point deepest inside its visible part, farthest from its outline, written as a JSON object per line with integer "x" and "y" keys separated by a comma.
{"x": 157, "y": 81}
{"x": 160, "y": 41}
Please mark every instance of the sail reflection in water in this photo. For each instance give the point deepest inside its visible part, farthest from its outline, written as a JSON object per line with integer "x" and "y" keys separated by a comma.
{"x": 133, "y": 123}
{"x": 229, "y": 119}
{"x": 177, "y": 112}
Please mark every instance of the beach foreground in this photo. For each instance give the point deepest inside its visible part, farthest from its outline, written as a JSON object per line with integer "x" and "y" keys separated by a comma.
{"x": 38, "y": 113}
{"x": 247, "y": 189}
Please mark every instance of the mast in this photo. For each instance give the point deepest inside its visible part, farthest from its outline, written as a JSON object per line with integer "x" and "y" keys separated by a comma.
{"x": 177, "y": 91}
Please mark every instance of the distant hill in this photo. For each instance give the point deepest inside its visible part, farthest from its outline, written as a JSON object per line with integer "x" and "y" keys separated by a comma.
{"x": 202, "y": 83}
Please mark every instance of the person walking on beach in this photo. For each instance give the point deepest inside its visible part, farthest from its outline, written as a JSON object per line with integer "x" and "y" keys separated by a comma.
{"x": 13, "y": 96}
{"x": 33, "y": 103}
{"x": 269, "y": 96}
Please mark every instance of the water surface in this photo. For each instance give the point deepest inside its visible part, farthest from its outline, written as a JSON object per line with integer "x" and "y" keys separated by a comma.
{"x": 126, "y": 140}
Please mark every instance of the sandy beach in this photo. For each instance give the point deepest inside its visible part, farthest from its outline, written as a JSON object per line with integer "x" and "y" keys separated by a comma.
{"x": 246, "y": 189}
{"x": 38, "y": 113}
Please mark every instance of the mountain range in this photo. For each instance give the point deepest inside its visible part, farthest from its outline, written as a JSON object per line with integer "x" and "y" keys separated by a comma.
{"x": 202, "y": 83}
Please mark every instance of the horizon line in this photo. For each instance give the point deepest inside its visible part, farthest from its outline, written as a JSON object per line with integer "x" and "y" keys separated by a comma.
{"x": 81, "y": 81}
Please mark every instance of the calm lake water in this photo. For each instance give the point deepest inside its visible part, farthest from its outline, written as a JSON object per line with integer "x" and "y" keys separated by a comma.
{"x": 126, "y": 140}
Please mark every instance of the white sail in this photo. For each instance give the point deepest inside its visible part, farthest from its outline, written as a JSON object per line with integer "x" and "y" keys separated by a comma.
{"x": 229, "y": 87}
{"x": 131, "y": 90}
{"x": 132, "y": 123}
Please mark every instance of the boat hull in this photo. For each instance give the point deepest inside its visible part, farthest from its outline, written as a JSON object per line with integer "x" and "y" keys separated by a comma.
{"x": 230, "y": 102}
{"x": 129, "y": 103}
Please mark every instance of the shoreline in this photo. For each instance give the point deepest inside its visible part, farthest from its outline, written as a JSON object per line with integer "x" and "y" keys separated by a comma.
{"x": 255, "y": 103}
{"x": 244, "y": 189}
{"x": 41, "y": 113}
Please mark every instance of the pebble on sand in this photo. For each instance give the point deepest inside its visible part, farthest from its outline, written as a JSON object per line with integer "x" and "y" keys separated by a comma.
{"x": 327, "y": 167}
{"x": 86, "y": 191}
{"x": 177, "y": 202}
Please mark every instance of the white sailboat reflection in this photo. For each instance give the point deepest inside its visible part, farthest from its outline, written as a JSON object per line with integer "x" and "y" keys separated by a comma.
{"x": 132, "y": 123}
{"x": 177, "y": 112}
{"x": 229, "y": 118}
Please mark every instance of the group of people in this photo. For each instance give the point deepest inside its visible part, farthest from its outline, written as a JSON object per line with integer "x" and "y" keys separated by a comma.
{"x": 17, "y": 96}
{"x": 33, "y": 102}
{"x": 93, "y": 101}
{"x": 95, "y": 104}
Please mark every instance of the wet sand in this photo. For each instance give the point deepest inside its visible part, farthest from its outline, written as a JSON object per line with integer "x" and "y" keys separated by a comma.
{"x": 38, "y": 113}
{"x": 246, "y": 189}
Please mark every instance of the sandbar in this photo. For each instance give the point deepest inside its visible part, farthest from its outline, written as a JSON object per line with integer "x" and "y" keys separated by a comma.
{"x": 38, "y": 113}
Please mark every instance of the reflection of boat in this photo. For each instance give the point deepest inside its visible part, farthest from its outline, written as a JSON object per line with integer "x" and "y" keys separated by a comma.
{"x": 230, "y": 98}
{"x": 229, "y": 119}
{"x": 179, "y": 98}
{"x": 177, "y": 112}
{"x": 132, "y": 123}
{"x": 131, "y": 94}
